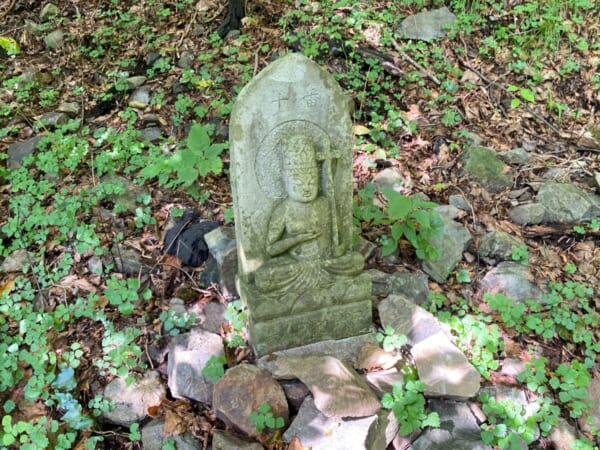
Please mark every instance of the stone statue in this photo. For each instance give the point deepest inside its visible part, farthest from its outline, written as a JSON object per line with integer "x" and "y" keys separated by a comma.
{"x": 291, "y": 175}
{"x": 302, "y": 238}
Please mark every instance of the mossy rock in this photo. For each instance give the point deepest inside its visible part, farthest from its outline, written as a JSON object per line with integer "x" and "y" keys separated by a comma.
{"x": 483, "y": 165}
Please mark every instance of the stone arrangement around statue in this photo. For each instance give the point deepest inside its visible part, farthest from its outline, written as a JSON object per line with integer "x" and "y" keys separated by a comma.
{"x": 291, "y": 177}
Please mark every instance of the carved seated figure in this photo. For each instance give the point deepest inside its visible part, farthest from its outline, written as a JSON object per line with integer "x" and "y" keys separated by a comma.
{"x": 302, "y": 237}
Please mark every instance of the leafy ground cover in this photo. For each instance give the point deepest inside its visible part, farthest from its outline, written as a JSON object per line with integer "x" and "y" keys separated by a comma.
{"x": 516, "y": 73}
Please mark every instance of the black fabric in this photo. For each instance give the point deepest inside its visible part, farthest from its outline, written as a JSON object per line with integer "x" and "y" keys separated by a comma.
{"x": 186, "y": 239}
{"x": 233, "y": 21}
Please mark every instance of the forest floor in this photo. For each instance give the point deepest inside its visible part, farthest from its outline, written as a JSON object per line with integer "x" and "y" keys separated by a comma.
{"x": 522, "y": 75}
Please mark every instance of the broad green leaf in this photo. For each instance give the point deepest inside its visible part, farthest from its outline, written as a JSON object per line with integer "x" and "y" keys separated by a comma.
{"x": 528, "y": 95}
{"x": 514, "y": 103}
{"x": 10, "y": 46}
{"x": 398, "y": 205}
{"x": 198, "y": 137}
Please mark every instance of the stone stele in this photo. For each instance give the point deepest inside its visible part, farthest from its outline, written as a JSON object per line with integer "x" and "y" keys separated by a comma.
{"x": 291, "y": 178}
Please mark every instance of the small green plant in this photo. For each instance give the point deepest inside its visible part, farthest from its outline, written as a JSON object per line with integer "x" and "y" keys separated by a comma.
{"x": 236, "y": 315}
{"x": 199, "y": 158}
{"x": 520, "y": 254}
{"x": 263, "y": 418}
{"x": 390, "y": 340}
{"x": 403, "y": 216}
{"x": 174, "y": 323}
{"x": 408, "y": 405}
{"x": 214, "y": 367}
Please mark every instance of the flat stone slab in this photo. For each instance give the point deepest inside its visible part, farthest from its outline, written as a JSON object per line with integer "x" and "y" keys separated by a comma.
{"x": 343, "y": 349}
{"x": 319, "y": 432}
{"x": 132, "y": 401}
{"x": 406, "y": 318}
{"x": 458, "y": 429}
{"x": 511, "y": 279}
{"x": 444, "y": 369}
{"x": 427, "y": 25}
{"x": 241, "y": 391}
{"x": 337, "y": 389}
{"x": 188, "y": 354}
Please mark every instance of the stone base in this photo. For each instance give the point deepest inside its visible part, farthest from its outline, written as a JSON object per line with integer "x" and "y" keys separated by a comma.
{"x": 333, "y": 322}
{"x": 296, "y": 319}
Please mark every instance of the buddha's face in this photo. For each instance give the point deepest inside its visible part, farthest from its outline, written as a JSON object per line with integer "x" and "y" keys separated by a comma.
{"x": 302, "y": 184}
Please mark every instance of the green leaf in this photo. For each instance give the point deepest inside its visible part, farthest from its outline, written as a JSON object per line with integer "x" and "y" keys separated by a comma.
{"x": 514, "y": 103}
{"x": 398, "y": 205}
{"x": 198, "y": 138}
{"x": 264, "y": 408}
{"x": 528, "y": 95}
{"x": 10, "y": 46}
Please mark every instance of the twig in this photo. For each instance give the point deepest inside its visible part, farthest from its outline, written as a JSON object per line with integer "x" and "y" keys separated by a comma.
{"x": 418, "y": 66}
{"x": 4, "y": 13}
{"x": 512, "y": 94}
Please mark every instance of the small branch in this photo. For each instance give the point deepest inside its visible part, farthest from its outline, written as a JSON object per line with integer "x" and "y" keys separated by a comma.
{"x": 418, "y": 66}
{"x": 512, "y": 94}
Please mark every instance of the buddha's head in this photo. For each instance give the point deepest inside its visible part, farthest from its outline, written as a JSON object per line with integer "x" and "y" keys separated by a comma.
{"x": 300, "y": 168}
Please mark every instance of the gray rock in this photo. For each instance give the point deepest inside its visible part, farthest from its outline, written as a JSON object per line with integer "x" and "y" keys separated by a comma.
{"x": 342, "y": 349}
{"x": 458, "y": 429}
{"x": 151, "y": 134}
{"x": 140, "y": 98}
{"x": 95, "y": 265}
{"x": 515, "y": 157}
{"x": 136, "y": 81}
{"x": 382, "y": 431}
{"x": 531, "y": 213}
{"x": 54, "y": 40}
{"x": 383, "y": 381}
{"x": 222, "y": 246}
{"x": 186, "y": 60}
{"x": 132, "y": 401}
{"x": 319, "y": 432}
{"x": 566, "y": 203}
{"x": 49, "y": 11}
{"x": 153, "y": 438}
{"x": 563, "y": 435}
{"x": 459, "y": 201}
{"x": 389, "y": 178}
{"x": 406, "y": 318}
{"x": 444, "y": 369}
{"x": 241, "y": 391}
{"x": 212, "y": 316}
{"x": 498, "y": 245}
{"x": 412, "y": 285}
{"x": 18, "y": 151}
{"x": 225, "y": 441}
{"x": 295, "y": 391}
{"x": 129, "y": 261}
{"x": 54, "y": 119}
{"x": 16, "y": 261}
{"x": 483, "y": 165}
{"x": 511, "y": 279}
{"x": 72, "y": 109}
{"x": 452, "y": 244}
{"x": 448, "y": 211}
{"x": 427, "y": 25}
{"x": 337, "y": 389}
{"x": 188, "y": 354}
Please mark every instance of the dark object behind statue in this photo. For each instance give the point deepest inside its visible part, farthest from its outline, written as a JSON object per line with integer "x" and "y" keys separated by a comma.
{"x": 233, "y": 20}
{"x": 186, "y": 239}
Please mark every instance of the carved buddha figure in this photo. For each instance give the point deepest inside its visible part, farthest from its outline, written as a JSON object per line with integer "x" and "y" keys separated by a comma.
{"x": 301, "y": 236}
